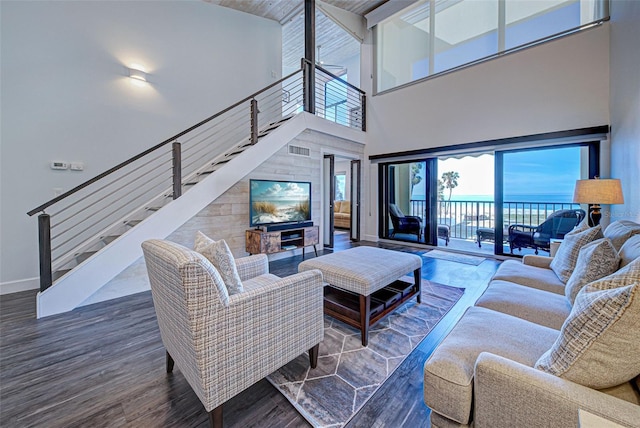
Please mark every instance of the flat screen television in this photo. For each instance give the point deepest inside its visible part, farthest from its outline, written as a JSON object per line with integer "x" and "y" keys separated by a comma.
{"x": 274, "y": 202}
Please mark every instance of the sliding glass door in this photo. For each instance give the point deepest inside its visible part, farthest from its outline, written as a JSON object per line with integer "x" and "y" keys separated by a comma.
{"x": 465, "y": 201}
{"x": 407, "y": 202}
{"x": 534, "y": 195}
{"x": 478, "y": 202}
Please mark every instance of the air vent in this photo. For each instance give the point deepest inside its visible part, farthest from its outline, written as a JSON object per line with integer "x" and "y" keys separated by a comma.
{"x": 299, "y": 151}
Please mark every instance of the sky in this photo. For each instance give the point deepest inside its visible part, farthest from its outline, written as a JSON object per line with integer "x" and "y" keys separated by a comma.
{"x": 476, "y": 174}
{"x": 542, "y": 172}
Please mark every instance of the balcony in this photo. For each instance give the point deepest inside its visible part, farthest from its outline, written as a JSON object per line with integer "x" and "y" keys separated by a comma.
{"x": 465, "y": 218}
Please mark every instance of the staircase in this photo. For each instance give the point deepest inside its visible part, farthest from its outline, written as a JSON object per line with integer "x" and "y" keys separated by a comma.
{"x": 106, "y": 218}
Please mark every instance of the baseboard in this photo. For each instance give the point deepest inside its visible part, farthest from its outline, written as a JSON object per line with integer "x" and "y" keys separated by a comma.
{"x": 19, "y": 285}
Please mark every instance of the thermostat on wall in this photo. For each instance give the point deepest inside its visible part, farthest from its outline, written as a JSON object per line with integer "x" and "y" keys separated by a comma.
{"x": 59, "y": 165}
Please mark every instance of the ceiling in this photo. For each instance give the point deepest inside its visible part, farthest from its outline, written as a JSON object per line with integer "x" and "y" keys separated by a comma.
{"x": 282, "y": 10}
{"x": 336, "y": 45}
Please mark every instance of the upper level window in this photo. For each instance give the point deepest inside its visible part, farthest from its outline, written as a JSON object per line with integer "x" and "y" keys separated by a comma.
{"x": 434, "y": 36}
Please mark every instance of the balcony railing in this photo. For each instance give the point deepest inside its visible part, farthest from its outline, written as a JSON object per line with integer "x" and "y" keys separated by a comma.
{"x": 465, "y": 217}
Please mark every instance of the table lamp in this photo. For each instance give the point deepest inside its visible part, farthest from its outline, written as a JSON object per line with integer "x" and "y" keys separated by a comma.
{"x": 597, "y": 191}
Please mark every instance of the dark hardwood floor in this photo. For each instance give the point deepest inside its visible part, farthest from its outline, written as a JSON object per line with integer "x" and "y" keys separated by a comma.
{"x": 103, "y": 365}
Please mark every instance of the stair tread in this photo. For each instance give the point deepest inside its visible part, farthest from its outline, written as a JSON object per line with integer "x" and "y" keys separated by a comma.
{"x": 81, "y": 257}
{"x": 132, "y": 222}
{"x": 109, "y": 239}
{"x": 274, "y": 125}
{"x": 237, "y": 152}
{"x": 60, "y": 273}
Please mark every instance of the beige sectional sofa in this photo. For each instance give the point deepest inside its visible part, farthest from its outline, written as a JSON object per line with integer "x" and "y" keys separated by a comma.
{"x": 548, "y": 340}
{"x": 342, "y": 214}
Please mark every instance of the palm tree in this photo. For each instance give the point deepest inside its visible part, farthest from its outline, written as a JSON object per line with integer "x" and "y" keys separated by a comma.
{"x": 440, "y": 197}
{"x": 415, "y": 175}
{"x": 450, "y": 181}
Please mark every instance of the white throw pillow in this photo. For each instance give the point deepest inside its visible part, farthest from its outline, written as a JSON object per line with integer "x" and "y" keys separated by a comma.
{"x": 620, "y": 231}
{"x": 630, "y": 250}
{"x": 566, "y": 257}
{"x": 581, "y": 227}
{"x": 220, "y": 256}
{"x": 201, "y": 242}
{"x": 596, "y": 344}
{"x": 596, "y": 260}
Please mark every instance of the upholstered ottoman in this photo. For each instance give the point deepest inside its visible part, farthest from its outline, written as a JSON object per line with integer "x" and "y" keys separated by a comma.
{"x": 448, "y": 373}
{"x": 367, "y": 282}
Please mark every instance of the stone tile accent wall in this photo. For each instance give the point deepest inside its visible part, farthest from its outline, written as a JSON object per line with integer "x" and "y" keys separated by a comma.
{"x": 228, "y": 216}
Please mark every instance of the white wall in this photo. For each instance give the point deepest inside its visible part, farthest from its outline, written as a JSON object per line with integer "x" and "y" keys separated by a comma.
{"x": 625, "y": 105}
{"x": 353, "y": 70}
{"x": 65, "y": 95}
{"x": 556, "y": 86}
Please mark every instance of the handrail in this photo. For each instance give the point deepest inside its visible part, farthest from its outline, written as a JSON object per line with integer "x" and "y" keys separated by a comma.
{"x": 152, "y": 149}
{"x": 324, "y": 70}
{"x": 117, "y": 193}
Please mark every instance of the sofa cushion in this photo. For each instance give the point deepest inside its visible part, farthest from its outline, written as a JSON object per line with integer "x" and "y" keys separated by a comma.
{"x": 625, "y": 391}
{"x": 448, "y": 373}
{"x": 567, "y": 255}
{"x": 219, "y": 254}
{"x": 595, "y": 347}
{"x": 620, "y": 231}
{"x": 630, "y": 250}
{"x": 336, "y": 206}
{"x": 345, "y": 207}
{"x": 531, "y": 276}
{"x": 596, "y": 260}
{"x": 538, "y": 306}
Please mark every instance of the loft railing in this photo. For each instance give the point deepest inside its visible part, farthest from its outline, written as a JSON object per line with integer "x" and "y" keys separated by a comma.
{"x": 77, "y": 223}
{"x": 465, "y": 217}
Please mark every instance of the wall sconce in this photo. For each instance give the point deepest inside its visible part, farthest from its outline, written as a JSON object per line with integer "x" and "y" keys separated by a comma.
{"x": 137, "y": 74}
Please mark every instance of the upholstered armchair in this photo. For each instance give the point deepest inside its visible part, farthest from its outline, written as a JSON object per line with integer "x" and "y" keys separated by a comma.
{"x": 558, "y": 224}
{"x": 225, "y": 343}
{"x": 404, "y": 223}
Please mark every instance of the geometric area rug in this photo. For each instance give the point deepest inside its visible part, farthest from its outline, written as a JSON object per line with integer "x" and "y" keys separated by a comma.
{"x": 348, "y": 374}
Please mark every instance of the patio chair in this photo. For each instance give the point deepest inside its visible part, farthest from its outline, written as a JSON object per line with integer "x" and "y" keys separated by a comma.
{"x": 404, "y": 223}
{"x": 558, "y": 224}
{"x": 224, "y": 343}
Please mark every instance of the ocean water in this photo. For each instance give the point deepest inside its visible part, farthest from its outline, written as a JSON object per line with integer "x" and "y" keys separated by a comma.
{"x": 536, "y": 198}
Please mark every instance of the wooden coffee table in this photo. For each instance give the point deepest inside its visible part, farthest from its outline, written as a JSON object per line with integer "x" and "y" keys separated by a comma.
{"x": 364, "y": 284}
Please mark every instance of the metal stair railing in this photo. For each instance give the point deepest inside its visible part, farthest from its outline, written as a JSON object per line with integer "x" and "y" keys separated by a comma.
{"x": 76, "y": 224}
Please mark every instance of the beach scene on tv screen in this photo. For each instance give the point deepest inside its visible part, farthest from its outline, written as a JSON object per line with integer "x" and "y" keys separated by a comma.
{"x": 279, "y": 202}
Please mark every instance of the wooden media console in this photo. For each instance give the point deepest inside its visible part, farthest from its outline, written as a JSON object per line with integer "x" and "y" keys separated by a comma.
{"x": 262, "y": 242}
